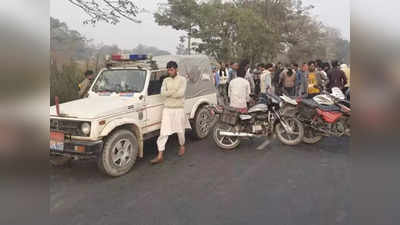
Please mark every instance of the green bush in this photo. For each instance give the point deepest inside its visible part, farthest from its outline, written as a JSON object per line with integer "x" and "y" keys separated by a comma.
{"x": 64, "y": 82}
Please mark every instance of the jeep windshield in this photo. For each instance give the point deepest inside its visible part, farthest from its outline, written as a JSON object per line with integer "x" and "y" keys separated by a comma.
{"x": 120, "y": 80}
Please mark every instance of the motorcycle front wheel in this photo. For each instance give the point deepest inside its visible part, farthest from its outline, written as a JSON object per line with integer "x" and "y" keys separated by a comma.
{"x": 290, "y": 138}
{"x": 310, "y": 136}
{"x": 225, "y": 142}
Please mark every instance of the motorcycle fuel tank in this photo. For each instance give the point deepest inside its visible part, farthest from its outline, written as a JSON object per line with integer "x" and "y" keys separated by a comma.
{"x": 258, "y": 108}
{"x": 330, "y": 117}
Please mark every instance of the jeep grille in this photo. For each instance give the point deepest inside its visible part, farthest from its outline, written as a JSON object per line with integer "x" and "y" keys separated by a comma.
{"x": 69, "y": 127}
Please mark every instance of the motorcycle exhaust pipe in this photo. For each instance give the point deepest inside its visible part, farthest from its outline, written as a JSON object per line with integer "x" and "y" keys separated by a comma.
{"x": 231, "y": 134}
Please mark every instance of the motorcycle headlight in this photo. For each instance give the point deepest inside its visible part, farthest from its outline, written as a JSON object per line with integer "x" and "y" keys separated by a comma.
{"x": 281, "y": 104}
{"x": 85, "y": 128}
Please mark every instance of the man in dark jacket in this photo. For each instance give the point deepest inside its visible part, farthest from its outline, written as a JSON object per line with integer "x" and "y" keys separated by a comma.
{"x": 337, "y": 78}
{"x": 276, "y": 78}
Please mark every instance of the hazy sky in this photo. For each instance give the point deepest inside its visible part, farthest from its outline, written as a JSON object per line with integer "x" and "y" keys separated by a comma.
{"x": 128, "y": 35}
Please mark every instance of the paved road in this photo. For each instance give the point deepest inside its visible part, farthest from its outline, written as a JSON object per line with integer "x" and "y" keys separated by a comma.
{"x": 308, "y": 184}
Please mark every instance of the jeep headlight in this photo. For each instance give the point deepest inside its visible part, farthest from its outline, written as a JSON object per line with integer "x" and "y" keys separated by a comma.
{"x": 85, "y": 128}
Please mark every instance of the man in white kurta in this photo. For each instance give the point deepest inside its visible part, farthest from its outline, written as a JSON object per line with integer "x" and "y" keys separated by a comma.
{"x": 239, "y": 93}
{"x": 173, "y": 118}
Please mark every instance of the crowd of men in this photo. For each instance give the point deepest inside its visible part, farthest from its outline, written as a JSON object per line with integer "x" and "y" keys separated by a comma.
{"x": 307, "y": 80}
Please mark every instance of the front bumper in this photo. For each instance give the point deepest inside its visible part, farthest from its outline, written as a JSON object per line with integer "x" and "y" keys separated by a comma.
{"x": 77, "y": 147}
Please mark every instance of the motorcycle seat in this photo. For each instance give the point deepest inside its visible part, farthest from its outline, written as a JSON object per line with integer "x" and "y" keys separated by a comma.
{"x": 232, "y": 109}
{"x": 310, "y": 103}
{"x": 329, "y": 108}
{"x": 313, "y": 104}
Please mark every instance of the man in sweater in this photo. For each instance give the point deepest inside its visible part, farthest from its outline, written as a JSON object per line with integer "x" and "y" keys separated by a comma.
{"x": 173, "y": 117}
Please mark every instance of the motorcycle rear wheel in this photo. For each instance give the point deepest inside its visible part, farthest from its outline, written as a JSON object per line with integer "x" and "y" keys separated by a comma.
{"x": 224, "y": 142}
{"x": 310, "y": 136}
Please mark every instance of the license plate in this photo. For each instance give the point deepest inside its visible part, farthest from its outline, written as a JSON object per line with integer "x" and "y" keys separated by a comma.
{"x": 57, "y": 141}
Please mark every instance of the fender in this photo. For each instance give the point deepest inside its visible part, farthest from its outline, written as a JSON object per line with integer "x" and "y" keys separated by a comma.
{"x": 131, "y": 123}
{"x": 202, "y": 101}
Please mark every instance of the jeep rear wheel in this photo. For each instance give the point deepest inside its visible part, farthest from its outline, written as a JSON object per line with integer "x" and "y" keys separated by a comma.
{"x": 119, "y": 153}
{"x": 202, "y": 121}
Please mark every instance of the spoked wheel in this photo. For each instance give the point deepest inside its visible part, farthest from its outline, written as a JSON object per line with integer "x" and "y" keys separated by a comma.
{"x": 224, "y": 142}
{"x": 292, "y": 137}
{"x": 311, "y": 136}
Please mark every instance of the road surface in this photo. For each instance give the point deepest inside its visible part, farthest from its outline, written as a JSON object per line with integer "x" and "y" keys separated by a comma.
{"x": 280, "y": 185}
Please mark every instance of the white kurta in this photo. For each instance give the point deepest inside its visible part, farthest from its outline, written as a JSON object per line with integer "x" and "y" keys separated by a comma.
{"x": 173, "y": 120}
{"x": 239, "y": 93}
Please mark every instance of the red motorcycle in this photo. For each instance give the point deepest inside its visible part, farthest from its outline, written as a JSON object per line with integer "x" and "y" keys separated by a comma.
{"x": 324, "y": 115}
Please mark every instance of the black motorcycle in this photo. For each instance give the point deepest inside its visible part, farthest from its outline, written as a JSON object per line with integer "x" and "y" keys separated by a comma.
{"x": 261, "y": 120}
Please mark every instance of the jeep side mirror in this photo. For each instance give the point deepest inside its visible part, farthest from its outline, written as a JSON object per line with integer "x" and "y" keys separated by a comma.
{"x": 141, "y": 97}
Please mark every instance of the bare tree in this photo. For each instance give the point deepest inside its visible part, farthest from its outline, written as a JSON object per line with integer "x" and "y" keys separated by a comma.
{"x": 108, "y": 11}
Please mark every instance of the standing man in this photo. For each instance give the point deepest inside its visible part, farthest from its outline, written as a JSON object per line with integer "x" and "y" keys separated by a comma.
{"x": 215, "y": 77}
{"x": 266, "y": 79}
{"x": 346, "y": 71}
{"x": 232, "y": 74}
{"x": 288, "y": 82}
{"x": 85, "y": 84}
{"x": 173, "y": 117}
{"x": 233, "y": 71}
{"x": 302, "y": 81}
{"x": 337, "y": 77}
{"x": 256, "y": 74}
{"x": 276, "y": 78}
{"x": 261, "y": 69}
{"x": 324, "y": 76}
{"x": 298, "y": 75}
{"x": 239, "y": 91}
{"x": 223, "y": 77}
{"x": 314, "y": 80}
{"x": 249, "y": 77}
{"x": 269, "y": 68}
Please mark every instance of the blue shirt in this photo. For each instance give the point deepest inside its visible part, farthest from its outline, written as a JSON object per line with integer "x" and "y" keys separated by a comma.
{"x": 299, "y": 78}
{"x": 216, "y": 78}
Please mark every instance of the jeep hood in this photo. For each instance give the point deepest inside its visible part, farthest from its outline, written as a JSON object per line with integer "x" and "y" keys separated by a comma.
{"x": 95, "y": 107}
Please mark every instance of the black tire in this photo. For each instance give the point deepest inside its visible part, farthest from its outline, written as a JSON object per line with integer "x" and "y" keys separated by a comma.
{"x": 290, "y": 139}
{"x": 202, "y": 123}
{"x": 235, "y": 141}
{"x": 60, "y": 160}
{"x": 310, "y": 136}
{"x": 348, "y": 127}
{"x": 119, "y": 153}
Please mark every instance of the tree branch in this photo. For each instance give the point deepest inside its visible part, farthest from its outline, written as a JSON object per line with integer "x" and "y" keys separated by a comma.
{"x": 107, "y": 11}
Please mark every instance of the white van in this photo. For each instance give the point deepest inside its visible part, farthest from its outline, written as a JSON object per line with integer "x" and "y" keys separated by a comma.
{"x": 124, "y": 108}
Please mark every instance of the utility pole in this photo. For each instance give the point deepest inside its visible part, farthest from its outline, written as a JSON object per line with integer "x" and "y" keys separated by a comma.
{"x": 189, "y": 37}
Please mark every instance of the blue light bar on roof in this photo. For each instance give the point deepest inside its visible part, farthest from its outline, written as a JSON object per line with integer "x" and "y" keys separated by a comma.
{"x": 137, "y": 57}
{"x": 128, "y": 57}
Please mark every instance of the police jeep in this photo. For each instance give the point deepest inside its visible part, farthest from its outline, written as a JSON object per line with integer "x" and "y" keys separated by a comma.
{"x": 124, "y": 108}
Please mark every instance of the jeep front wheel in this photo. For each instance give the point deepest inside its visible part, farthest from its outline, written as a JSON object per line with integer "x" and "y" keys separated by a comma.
{"x": 119, "y": 153}
{"x": 202, "y": 123}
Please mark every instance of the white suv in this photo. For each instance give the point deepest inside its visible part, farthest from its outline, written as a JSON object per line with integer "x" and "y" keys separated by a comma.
{"x": 124, "y": 108}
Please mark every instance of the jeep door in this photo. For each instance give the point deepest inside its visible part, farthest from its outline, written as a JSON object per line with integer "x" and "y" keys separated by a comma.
{"x": 154, "y": 102}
